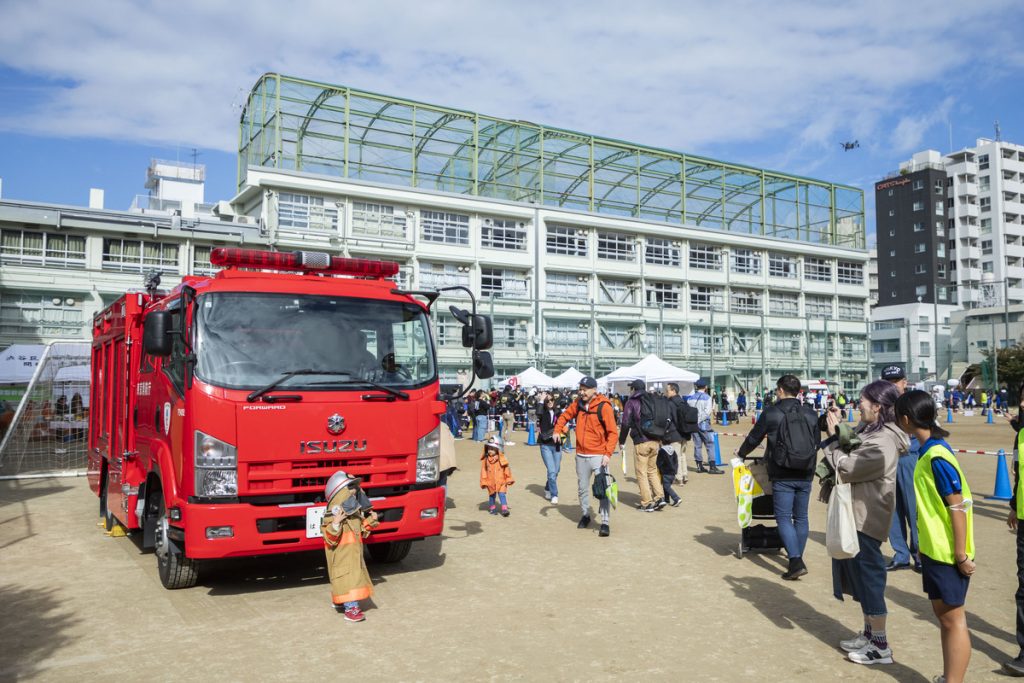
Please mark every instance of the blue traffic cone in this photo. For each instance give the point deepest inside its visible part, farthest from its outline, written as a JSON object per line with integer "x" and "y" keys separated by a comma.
{"x": 718, "y": 449}
{"x": 849, "y": 414}
{"x": 949, "y": 415}
{"x": 531, "y": 434}
{"x": 989, "y": 419}
{"x": 725, "y": 418}
{"x": 1002, "y": 490}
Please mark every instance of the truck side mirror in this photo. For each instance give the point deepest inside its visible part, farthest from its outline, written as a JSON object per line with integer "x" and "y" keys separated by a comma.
{"x": 483, "y": 366}
{"x": 156, "y": 334}
{"x": 478, "y": 333}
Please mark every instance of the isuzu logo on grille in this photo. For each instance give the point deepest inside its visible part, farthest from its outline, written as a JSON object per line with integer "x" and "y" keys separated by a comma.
{"x": 335, "y": 424}
{"x": 317, "y": 447}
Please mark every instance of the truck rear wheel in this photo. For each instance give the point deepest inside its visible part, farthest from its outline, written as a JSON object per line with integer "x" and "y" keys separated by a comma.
{"x": 176, "y": 570}
{"x": 392, "y": 551}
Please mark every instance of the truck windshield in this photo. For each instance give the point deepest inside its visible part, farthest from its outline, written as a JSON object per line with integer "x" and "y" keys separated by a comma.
{"x": 247, "y": 340}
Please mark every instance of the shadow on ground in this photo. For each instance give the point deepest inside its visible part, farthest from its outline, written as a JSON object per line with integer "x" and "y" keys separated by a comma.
{"x": 32, "y": 630}
{"x": 781, "y": 605}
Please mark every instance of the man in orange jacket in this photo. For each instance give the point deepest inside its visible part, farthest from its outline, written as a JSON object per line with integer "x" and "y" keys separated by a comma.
{"x": 596, "y": 435}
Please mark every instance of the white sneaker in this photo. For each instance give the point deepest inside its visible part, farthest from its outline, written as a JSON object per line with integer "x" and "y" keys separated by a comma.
{"x": 855, "y": 643}
{"x": 510, "y": 443}
{"x": 869, "y": 654}
{"x": 547, "y": 495}
{"x": 554, "y": 500}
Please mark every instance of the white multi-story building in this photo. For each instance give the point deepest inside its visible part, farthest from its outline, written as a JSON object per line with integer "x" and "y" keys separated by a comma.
{"x": 586, "y": 251}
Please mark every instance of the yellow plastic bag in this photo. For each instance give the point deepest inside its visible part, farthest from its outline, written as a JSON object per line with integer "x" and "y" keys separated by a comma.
{"x": 746, "y": 488}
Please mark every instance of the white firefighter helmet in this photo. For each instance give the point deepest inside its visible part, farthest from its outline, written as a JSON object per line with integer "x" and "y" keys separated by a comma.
{"x": 337, "y": 482}
{"x": 494, "y": 441}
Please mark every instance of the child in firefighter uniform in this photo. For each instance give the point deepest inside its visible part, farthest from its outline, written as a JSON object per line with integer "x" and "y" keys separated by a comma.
{"x": 347, "y": 521}
{"x": 495, "y": 475}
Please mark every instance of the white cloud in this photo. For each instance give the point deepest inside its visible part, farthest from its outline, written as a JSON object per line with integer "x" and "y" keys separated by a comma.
{"x": 910, "y": 130}
{"x": 684, "y": 75}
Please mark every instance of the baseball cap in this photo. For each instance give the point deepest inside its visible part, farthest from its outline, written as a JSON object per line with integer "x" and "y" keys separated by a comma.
{"x": 893, "y": 373}
{"x": 637, "y": 384}
{"x": 588, "y": 382}
{"x": 700, "y": 383}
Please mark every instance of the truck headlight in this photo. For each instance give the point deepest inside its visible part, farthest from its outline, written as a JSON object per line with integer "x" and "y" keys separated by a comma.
{"x": 428, "y": 457}
{"x": 216, "y": 467}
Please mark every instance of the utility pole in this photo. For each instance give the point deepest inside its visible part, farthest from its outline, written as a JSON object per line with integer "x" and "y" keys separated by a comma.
{"x": 712, "y": 347}
{"x": 995, "y": 357}
{"x": 593, "y": 337}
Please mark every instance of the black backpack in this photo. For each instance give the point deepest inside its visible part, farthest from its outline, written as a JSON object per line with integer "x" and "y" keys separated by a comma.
{"x": 796, "y": 447}
{"x": 687, "y": 418}
{"x": 657, "y": 417}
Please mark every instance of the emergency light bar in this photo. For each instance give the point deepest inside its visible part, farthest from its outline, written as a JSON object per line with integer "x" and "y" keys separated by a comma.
{"x": 302, "y": 261}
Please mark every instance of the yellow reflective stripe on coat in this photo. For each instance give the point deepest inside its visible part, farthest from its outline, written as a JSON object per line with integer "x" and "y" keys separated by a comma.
{"x": 934, "y": 529}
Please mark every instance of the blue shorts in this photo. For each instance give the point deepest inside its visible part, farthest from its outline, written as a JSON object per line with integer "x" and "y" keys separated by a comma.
{"x": 944, "y": 582}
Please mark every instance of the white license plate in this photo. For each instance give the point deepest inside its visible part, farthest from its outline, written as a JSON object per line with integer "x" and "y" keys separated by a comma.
{"x": 314, "y": 516}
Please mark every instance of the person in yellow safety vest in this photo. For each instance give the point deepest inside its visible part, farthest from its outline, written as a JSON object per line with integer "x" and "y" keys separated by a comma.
{"x": 1015, "y": 667}
{"x": 945, "y": 526}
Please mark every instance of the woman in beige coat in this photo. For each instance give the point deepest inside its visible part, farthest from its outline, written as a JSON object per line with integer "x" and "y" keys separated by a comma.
{"x": 868, "y": 462}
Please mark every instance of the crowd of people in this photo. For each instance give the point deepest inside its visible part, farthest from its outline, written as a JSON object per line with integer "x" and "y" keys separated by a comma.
{"x": 906, "y": 484}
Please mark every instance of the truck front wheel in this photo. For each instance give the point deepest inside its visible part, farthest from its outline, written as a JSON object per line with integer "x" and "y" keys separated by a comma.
{"x": 392, "y": 551}
{"x": 176, "y": 570}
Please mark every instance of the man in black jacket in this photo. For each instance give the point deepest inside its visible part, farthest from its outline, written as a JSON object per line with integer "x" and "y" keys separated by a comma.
{"x": 791, "y": 488}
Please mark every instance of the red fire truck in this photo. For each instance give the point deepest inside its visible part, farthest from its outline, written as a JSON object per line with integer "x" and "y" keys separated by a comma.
{"x": 219, "y": 409}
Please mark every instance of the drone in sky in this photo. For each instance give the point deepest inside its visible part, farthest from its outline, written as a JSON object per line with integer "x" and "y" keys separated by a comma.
{"x": 847, "y": 146}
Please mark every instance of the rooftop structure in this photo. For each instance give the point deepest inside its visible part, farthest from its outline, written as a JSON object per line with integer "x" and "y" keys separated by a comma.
{"x": 300, "y": 125}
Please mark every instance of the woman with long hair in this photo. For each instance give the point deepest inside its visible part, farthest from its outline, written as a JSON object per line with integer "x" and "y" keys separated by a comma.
{"x": 867, "y": 461}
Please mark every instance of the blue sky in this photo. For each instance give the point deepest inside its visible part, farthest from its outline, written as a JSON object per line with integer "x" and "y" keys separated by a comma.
{"x": 89, "y": 93}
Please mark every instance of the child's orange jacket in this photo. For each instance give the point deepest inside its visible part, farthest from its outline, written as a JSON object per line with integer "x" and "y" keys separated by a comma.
{"x": 495, "y": 474}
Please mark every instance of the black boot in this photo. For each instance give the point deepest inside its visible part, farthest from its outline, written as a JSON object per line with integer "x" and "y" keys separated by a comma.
{"x": 700, "y": 468}
{"x": 713, "y": 469}
{"x": 584, "y": 522}
{"x": 797, "y": 568}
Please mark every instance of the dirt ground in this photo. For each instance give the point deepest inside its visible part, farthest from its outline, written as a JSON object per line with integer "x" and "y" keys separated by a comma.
{"x": 527, "y": 597}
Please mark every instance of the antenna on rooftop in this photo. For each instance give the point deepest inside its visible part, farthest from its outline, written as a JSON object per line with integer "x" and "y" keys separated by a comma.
{"x": 195, "y": 158}
{"x": 999, "y": 132}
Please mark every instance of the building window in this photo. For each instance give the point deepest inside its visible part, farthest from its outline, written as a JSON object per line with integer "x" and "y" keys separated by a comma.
{"x": 664, "y": 294}
{"x": 138, "y": 255}
{"x": 510, "y": 333}
{"x": 892, "y": 212}
{"x": 503, "y": 233}
{"x": 746, "y": 262}
{"x": 919, "y": 226}
{"x": 985, "y": 204}
{"x": 706, "y": 298}
{"x": 702, "y": 342}
{"x": 305, "y": 212}
{"x": 378, "y": 220}
{"x": 784, "y": 303}
{"x": 41, "y": 249}
{"x": 892, "y": 253}
{"x": 567, "y": 287}
{"x": 34, "y": 315}
{"x": 201, "y": 261}
{"x": 446, "y": 227}
{"x": 891, "y": 192}
{"x": 918, "y": 206}
{"x": 818, "y": 307}
{"x": 986, "y": 246}
{"x": 892, "y": 233}
{"x": 567, "y": 334}
{"x": 940, "y": 230}
{"x": 920, "y": 290}
{"x": 448, "y": 331}
{"x": 705, "y": 257}
{"x": 920, "y": 269}
{"x": 986, "y": 266}
{"x": 617, "y": 337}
{"x": 940, "y": 208}
{"x": 818, "y": 269}
{"x": 885, "y": 346}
{"x": 943, "y": 293}
{"x": 616, "y": 291}
{"x": 510, "y": 284}
{"x": 745, "y": 301}
{"x": 435, "y": 275}
{"x": 940, "y": 270}
{"x": 615, "y": 246}
{"x": 567, "y": 241}
{"x": 940, "y": 187}
{"x": 926, "y": 348}
{"x": 781, "y": 265}
{"x": 850, "y": 273}
{"x": 671, "y": 341}
{"x": 851, "y": 309}
{"x": 986, "y": 225}
{"x": 918, "y": 185}
{"x": 920, "y": 248}
{"x": 984, "y": 183}
{"x": 785, "y": 344}
{"x": 661, "y": 252}
{"x": 983, "y": 162}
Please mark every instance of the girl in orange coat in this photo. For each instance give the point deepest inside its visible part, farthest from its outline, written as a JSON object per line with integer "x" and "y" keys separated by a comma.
{"x": 495, "y": 475}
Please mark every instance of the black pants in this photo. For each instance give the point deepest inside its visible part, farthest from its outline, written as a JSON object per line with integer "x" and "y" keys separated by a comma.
{"x": 670, "y": 495}
{"x": 1020, "y": 586}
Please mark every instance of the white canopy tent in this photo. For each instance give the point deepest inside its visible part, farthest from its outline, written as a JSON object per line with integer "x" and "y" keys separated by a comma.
{"x": 531, "y": 377}
{"x": 18, "y": 363}
{"x": 569, "y": 378}
{"x": 652, "y": 370}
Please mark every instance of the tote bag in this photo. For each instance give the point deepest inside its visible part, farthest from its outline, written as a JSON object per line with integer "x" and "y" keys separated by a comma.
{"x": 841, "y": 528}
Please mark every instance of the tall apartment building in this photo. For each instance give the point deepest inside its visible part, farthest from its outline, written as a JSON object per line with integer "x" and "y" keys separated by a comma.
{"x": 950, "y": 234}
{"x": 586, "y": 251}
